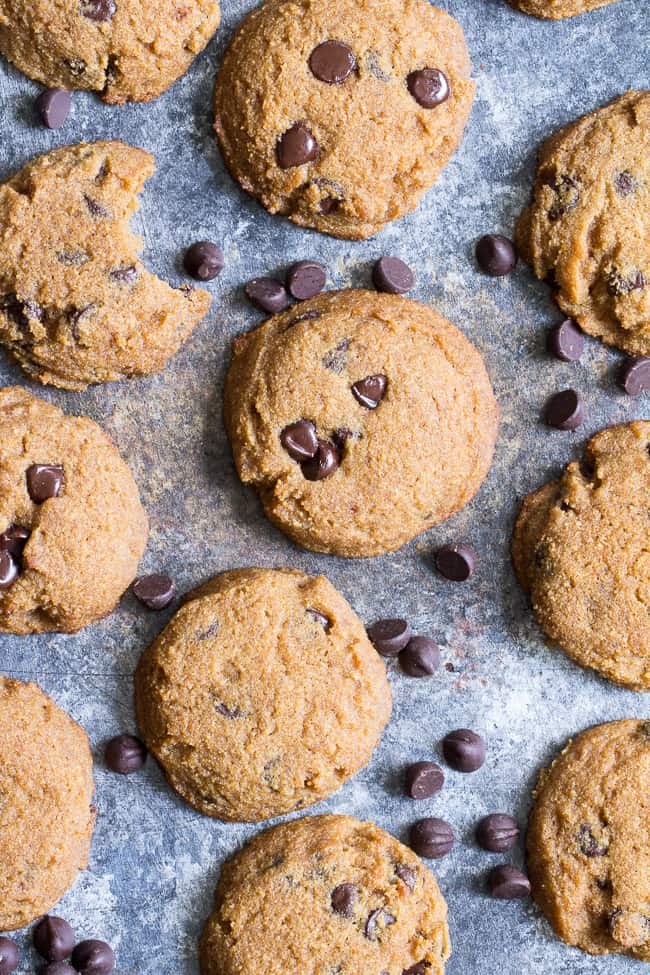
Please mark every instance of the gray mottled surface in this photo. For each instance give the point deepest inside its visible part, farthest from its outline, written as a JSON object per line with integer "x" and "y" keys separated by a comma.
{"x": 154, "y": 862}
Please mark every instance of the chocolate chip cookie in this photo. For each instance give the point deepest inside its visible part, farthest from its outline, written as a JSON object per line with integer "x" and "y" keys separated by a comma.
{"x": 361, "y": 418}
{"x": 340, "y": 114}
{"x": 580, "y": 548}
{"x": 558, "y": 9}
{"x": 326, "y": 894}
{"x": 125, "y": 50}
{"x": 589, "y": 840}
{"x": 262, "y": 695}
{"x": 77, "y": 305}
{"x": 46, "y": 817}
{"x": 587, "y": 230}
{"x": 72, "y": 529}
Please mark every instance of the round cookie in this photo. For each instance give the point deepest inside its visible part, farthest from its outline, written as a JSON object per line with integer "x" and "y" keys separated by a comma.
{"x": 340, "y": 114}
{"x": 401, "y": 405}
{"x": 558, "y": 9}
{"x": 46, "y": 816}
{"x": 263, "y": 695}
{"x": 125, "y": 50}
{"x": 77, "y": 305}
{"x": 326, "y": 894}
{"x": 589, "y": 840}
{"x": 580, "y": 548}
{"x": 72, "y": 529}
{"x": 587, "y": 230}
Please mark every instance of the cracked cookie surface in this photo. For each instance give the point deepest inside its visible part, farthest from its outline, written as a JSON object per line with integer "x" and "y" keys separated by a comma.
{"x": 340, "y": 114}
{"x": 262, "y": 695}
{"x": 326, "y": 894}
{"x": 126, "y": 50}
{"x": 77, "y": 305}
{"x": 397, "y": 402}
{"x": 558, "y": 9}
{"x": 587, "y": 230}
{"x": 589, "y": 840}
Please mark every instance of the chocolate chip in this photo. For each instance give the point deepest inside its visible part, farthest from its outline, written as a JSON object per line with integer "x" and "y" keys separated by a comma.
{"x": 53, "y": 938}
{"x": 57, "y": 968}
{"x": 93, "y": 958}
{"x": 464, "y": 750}
{"x": 332, "y": 62}
{"x": 455, "y": 562}
{"x": 94, "y": 208}
{"x": 620, "y": 284}
{"x": 204, "y": 260}
{"x": 336, "y": 358}
{"x": 344, "y": 897}
{"x": 14, "y": 539}
{"x": 392, "y": 275}
{"x": 507, "y": 883}
{"x": 369, "y": 392}
{"x": 267, "y": 294}
{"x": 329, "y": 204}
{"x": 124, "y": 275}
{"x": 625, "y": 183}
{"x": 407, "y": 875}
{"x": 53, "y": 106}
{"x": 8, "y": 570}
{"x": 634, "y": 377}
{"x": 377, "y": 921}
{"x": 230, "y": 713}
{"x": 567, "y": 193}
{"x": 497, "y": 832}
{"x": 306, "y": 316}
{"x": 420, "y": 968}
{"x": 98, "y": 10}
{"x": 76, "y": 316}
{"x": 421, "y": 657}
{"x": 340, "y": 437}
{"x": 423, "y": 780}
{"x": 154, "y": 591}
{"x": 306, "y": 279}
{"x": 44, "y": 481}
{"x": 389, "y": 637}
{"x": 296, "y": 147}
{"x": 431, "y": 837}
{"x": 20, "y": 311}
{"x": 496, "y": 255}
{"x": 299, "y": 440}
{"x": 323, "y": 464}
{"x": 428, "y": 86}
{"x": 565, "y": 341}
{"x": 125, "y": 754}
{"x": 565, "y": 410}
{"x": 9, "y": 956}
{"x": 320, "y": 618}
{"x": 589, "y": 843}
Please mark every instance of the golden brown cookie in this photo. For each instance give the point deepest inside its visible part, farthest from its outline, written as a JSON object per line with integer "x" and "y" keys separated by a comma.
{"x": 587, "y": 230}
{"x": 72, "y": 529}
{"x": 262, "y": 695}
{"x": 340, "y": 114}
{"x": 125, "y": 50}
{"x": 589, "y": 840}
{"x": 558, "y": 9}
{"x": 77, "y": 305}
{"x": 46, "y": 789}
{"x": 394, "y": 399}
{"x": 580, "y": 548}
{"x": 326, "y": 894}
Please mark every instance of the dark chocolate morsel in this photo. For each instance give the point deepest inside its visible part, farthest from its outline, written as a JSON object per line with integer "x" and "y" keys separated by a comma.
{"x": 369, "y": 392}
{"x": 53, "y": 106}
{"x": 323, "y": 464}
{"x": 306, "y": 279}
{"x": 299, "y": 440}
{"x": 407, "y": 875}
{"x": 343, "y": 899}
{"x": 332, "y": 62}
{"x": 389, "y": 637}
{"x": 125, "y": 754}
{"x": 296, "y": 146}
{"x": 154, "y": 591}
{"x": 124, "y": 275}
{"x": 93, "y": 957}
{"x": 53, "y": 938}
{"x": 267, "y": 294}
{"x": 420, "y": 968}
{"x": 565, "y": 341}
{"x": 455, "y": 562}
{"x": 98, "y": 10}
{"x": 634, "y": 376}
{"x": 423, "y": 780}
{"x": 376, "y": 922}
{"x": 497, "y": 832}
{"x": 203, "y": 260}
{"x": 464, "y": 750}
{"x": 496, "y": 255}
{"x": 392, "y": 275}
{"x": 590, "y": 844}
{"x": 13, "y": 540}
{"x": 57, "y": 968}
{"x": 9, "y": 956}
{"x": 44, "y": 481}
{"x": 8, "y": 569}
{"x": 431, "y": 837}
{"x": 507, "y": 883}
{"x": 565, "y": 410}
{"x": 428, "y": 86}
{"x": 320, "y": 618}
{"x": 420, "y": 657}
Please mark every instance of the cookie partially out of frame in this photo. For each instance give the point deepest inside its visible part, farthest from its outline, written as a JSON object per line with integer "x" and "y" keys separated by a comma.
{"x": 558, "y": 9}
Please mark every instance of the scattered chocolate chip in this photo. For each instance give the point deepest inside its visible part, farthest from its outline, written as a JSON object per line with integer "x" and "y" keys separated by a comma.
{"x": 306, "y": 279}
{"x": 389, "y": 637}
{"x": 634, "y": 376}
{"x": 299, "y": 440}
{"x": 565, "y": 410}
{"x": 44, "y": 481}
{"x": 332, "y": 62}
{"x": 124, "y": 275}
{"x": 9, "y": 956}
{"x": 94, "y": 208}
{"x": 125, "y": 754}
{"x": 497, "y": 832}
{"x": 267, "y": 294}
{"x": 98, "y": 10}
{"x": 392, "y": 275}
{"x": 620, "y": 284}
{"x": 420, "y": 968}
{"x": 13, "y": 540}
{"x": 336, "y": 358}
{"x": 428, "y": 86}
{"x": 204, "y": 260}
{"x": 507, "y": 883}
{"x": 431, "y": 837}
{"x": 369, "y": 392}
{"x": 565, "y": 341}
{"x": 407, "y": 875}
{"x": 57, "y": 968}
{"x": 53, "y": 106}
{"x": 567, "y": 193}
{"x": 495, "y": 255}
{"x": 53, "y": 938}
{"x": 93, "y": 958}
{"x": 8, "y": 570}
{"x": 154, "y": 591}
{"x": 377, "y": 921}
{"x": 320, "y": 618}
{"x": 421, "y": 657}
{"x": 344, "y": 897}
{"x": 464, "y": 750}
{"x": 323, "y": 464}
{"x": 455, "y": 562}
{"x": 625, "y": 183}
{"x": 589, "y": 843}
{"x": 296, "y": 147}
{"x": 423, "y": 780}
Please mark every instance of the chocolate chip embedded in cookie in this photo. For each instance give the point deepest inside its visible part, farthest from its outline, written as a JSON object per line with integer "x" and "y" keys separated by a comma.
{"x": 263, "y": 695}
{"x": 370, "y": 101}
{"x": 589, "y": 841}
{"x": 362, "y": 421}
{"x": 77, "y": 305}
{"x": 557, "y": 9}
{"x": 354, "y": 900}
{"x": 587, "y": 230}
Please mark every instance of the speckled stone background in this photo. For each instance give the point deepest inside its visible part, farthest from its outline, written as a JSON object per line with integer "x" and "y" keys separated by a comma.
{"x": 154, "y": 861}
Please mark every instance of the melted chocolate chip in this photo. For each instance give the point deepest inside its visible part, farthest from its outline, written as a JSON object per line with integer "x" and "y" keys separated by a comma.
{"x": 329, "y": 204}
{"x": 344, "y": 897}
{"x": 125, "y": 754}
{"x": 589, "y": 844}
{"x": 230, "y": 713}
{"x": 407, "y": 875}
{"x": 53, "y": 938}
{"x": 94, "y": 208}
{"x": 336, "y": 359}
{"x": 76, "y": 316}
{"x": 44, "y": 481}
{"x": 332, "y": 62}
{"x": 377, "y": 921}
{"x": 369, "y": 392}
{"x": 8, "y": 570}
{"x": 375, "y": 68}
{"x": 420, "y": 968}
{"x": 567, "y": 196}
{"x": 307, "y": 316}
{"x": 299, "y": 440}
{"x": 296, "y": 147}
{"x": 20, "y": 311}
{"x": 320, "y": 618}
{"x": 324, "y": 463}
{"x": 13, "y": 540}
{"x": 98, "y": 10}
{"x": 428, "y": 86}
